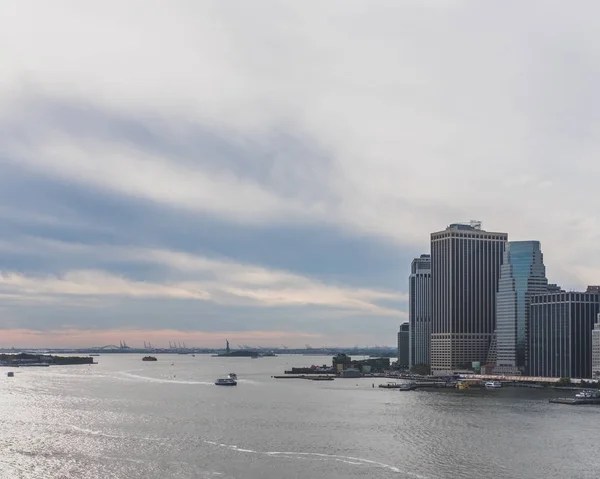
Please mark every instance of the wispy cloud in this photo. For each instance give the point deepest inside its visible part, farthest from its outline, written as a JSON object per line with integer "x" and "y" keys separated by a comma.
{"x": 205, "y": 279}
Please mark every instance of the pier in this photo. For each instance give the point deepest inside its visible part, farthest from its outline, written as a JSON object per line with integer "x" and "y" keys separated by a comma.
{"x": 575, "y": 401}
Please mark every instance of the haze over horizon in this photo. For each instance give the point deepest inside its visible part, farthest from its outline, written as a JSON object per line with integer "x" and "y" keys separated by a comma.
{"x": 266, "y": 171}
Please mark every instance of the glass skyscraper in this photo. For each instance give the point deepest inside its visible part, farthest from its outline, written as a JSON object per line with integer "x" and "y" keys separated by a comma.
{"x": 522, "y": 275}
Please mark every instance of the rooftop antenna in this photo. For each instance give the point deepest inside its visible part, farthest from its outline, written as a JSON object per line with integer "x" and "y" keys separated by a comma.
{"x": 475, "y": 224}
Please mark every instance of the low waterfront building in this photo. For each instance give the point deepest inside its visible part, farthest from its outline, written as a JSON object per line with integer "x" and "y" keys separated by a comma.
{"x": 596, "y": 350}
{"x": 342, "y": 362}
{"x": 403, "y": 346}
{"x": 560, "y": 339}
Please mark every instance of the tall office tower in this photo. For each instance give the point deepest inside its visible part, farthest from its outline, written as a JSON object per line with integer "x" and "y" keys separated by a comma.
{"x": 560, "y": 334}
{"x": 522, "y": 274}
{"x": 465, "y": 267}
{"x": 419, "y": 310}
{"x": 596, "y": 350}
{"x": 403, "y": 346}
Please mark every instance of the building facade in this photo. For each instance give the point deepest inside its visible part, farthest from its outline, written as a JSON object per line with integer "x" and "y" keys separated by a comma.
{"x": 522, "y": 275}
{"x": 465, "y": 267}
{"x": 596, "y": 349}
{"x": 403, "y": 346}
{"x": 560, "y": 334}
{"x": 419, "y": 310}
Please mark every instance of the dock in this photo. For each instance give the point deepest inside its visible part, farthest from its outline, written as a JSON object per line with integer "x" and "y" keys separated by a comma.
{"x": 404, "y": 387}
{"x": 575, "y": 401}
{"x": 313, "y": 377}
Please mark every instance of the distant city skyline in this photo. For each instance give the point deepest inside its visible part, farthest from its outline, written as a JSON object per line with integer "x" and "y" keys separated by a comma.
{"x": 273, "y": 178}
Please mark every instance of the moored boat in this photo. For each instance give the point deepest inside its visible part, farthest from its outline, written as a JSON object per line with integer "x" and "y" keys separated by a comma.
{"x": 588, "y": 394}
{"x": 493, "y": 384}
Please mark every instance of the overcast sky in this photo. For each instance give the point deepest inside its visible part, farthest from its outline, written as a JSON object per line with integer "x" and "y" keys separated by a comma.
{"x": 265, "y": 171}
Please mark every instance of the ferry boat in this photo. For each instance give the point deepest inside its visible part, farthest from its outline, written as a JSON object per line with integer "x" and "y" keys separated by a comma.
{"x": 493, "y": 384}
{"x": 225, "y": 382}
{"x": 149, "y": 358}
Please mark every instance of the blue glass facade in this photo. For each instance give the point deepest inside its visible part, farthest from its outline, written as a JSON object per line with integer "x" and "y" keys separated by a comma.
{"x": 522, "y": 275}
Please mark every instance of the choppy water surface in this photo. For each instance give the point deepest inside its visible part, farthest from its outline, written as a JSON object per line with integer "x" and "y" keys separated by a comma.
{"x": 124, "y": 418}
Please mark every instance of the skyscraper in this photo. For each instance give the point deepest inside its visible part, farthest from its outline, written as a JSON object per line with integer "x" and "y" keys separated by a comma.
{"x": 419, "y": 310}
{"x": 465, "y": 267}
{"x": 403, "y": 346}
{"x": 596, "y": 349}
{"x": 560, "y": 334}
{"x": 522, "y": 274}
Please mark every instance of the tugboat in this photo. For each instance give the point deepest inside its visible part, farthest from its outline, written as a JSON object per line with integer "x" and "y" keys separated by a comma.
{"x": 149, "y": 358}
{"x": 225, "y": 382}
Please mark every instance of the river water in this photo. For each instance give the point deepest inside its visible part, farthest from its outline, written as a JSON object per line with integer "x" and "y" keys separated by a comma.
{"x": 124, "y": 418}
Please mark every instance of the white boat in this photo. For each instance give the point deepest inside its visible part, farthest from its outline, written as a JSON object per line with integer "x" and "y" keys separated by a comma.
{"x": 493, "y": 384}
{"x": 588, "y": 394}
{"x": 226, "y": 382}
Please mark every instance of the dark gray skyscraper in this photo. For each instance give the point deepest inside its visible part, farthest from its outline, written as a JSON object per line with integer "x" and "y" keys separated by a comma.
{"x": 420, "y": 310}
{"x": 465, "y": 267}
{"x": 522, "y": 274}
{"x": 560, "y": 333}
{"x": 403, "y": 348}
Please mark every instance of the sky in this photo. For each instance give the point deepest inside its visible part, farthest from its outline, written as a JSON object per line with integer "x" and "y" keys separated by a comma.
{"x": 265, "y": 171}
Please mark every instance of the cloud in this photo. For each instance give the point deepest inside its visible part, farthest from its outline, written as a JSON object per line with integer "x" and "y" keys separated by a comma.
{"x": 203, "y": 279}
{"x": 275, "y": 155}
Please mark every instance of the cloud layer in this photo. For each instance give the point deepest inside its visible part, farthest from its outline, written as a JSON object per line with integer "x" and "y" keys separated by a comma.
{"x": 274, "y": 167}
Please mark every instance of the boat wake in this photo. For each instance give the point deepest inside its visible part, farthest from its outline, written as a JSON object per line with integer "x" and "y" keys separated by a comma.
{"x": 356, "y": 461}
{"x": 173, "y": 380}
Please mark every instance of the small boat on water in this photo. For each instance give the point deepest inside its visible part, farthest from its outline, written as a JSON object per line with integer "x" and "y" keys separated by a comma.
{"x": 149, "y": 358}
{"x": 493, "y": 384}
{"x": 588, "y": 394}
{"x": 225, "y": 382}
